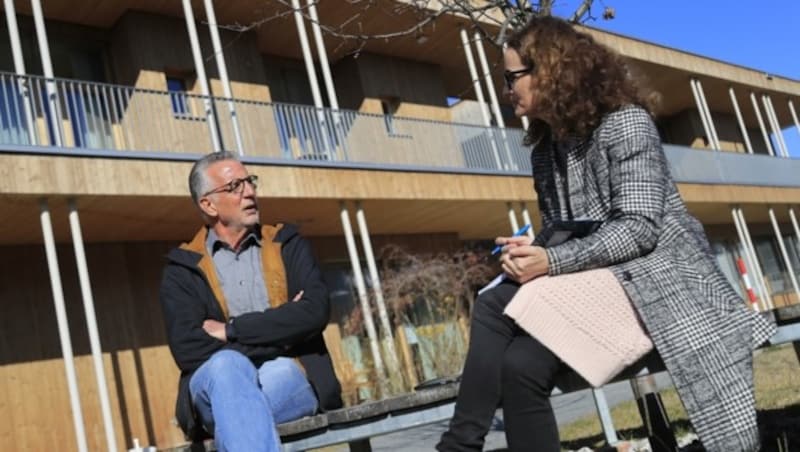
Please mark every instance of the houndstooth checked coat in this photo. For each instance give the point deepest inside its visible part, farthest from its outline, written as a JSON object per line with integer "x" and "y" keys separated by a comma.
{"x": 701, "y": 328}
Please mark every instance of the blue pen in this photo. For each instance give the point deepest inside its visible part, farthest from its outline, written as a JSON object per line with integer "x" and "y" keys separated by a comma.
{"x": 522, "y": 230}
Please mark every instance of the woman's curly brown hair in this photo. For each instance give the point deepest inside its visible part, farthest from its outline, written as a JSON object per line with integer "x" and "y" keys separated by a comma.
{"x": 577, "y": 81}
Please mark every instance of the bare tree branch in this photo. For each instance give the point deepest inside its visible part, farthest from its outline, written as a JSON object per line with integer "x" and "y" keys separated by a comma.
{"x": 502, "y": 14}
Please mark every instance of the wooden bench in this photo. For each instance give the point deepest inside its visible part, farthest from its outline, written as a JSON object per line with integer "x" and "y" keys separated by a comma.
{"x": 355, "y": 425}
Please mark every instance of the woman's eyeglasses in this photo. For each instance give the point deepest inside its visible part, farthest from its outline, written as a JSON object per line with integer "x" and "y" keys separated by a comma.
{"x": 511, "y": 76}
{"x": 235, "y": 186}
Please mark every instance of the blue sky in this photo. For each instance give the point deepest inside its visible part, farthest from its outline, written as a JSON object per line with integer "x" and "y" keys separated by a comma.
{"x": 758, "y": 35}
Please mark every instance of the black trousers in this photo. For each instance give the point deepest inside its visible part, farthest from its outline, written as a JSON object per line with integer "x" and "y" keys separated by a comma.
{"x": 504, "y": 365}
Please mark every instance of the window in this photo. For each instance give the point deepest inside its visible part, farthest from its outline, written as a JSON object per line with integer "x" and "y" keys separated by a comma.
{"x": 177, "y": 96}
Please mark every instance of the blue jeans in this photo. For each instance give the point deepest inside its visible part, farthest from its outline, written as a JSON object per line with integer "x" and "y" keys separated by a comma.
{"x": 242, "y": 405}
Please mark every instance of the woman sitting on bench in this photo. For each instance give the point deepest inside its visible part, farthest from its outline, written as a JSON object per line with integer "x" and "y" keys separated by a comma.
{"x": 597, "y": 156}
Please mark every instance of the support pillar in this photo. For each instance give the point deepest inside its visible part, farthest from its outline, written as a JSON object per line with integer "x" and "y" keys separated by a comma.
{"x": 194, "y": 42}
{"x": 380, "y": 303}
{"x": 740, "y": 121}
{"x": 223, "y": 74}
{"x": 363, "y": 298}
{"x": 63, "y": 325}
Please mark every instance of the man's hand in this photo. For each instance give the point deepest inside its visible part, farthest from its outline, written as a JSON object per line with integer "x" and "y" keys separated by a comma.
{"x": 215, "y": 329}
{"x": 521, "y": 261}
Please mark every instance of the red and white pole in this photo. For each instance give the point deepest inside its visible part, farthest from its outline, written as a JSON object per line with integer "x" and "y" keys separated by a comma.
{"x": 751, "y": 294}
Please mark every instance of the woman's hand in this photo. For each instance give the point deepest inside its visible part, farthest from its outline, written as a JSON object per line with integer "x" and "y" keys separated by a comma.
{"x": 521, "y": 261}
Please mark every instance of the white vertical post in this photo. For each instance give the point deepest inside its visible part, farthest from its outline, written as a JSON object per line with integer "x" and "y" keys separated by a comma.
{"x": 223, "y": 73}
{"x": 739, "y": 119}
{"x": 91, "y": 324}
{"x": 707, "y": 110}
{"x": 201, "y": 75}
{"x": 54, "y": 118}
{"x": 526, "y": 217}
{"x": 487, "y": 79}
{"x": 764, "y": 134}
{"x": 476, "y": 84}
{"x": 19, "y": 68}
{"x": 63, "y": 325}
{"x": 512, "y": 218}
{"x": 323, "y": 56}
{"x": 383, "y": 316}
{"x": 796, "y": 228}
{"x": 311, "y": 73}
{"x": 750, "y": 260}
{"x": 768, "y": 304}
{"x": 361, "y": 288}
{"x": 330, "y": 88}
{"x": 702, "y": 113}
{"x": 776, "y": 126}
{"x": 307, "y": 58}
{"x": 794, "y": 115}
{"x": 784, "y": 254}
{"x": 772, "y": 126}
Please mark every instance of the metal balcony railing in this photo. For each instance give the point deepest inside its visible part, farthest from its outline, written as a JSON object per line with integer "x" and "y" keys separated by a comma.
{"x": 78, "y": 114}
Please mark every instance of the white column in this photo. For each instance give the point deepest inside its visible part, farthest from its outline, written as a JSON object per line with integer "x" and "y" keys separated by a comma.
{"x": 487, "y": 79}
{"x": 223, "y": 73}
{"x": 63, "y": 325}
{"x": 383, "y": 316}
{"x": 307, "y": 58}
{"x": 526, "y": 217}
{"x": 512, "y": 218}
{"x": 749, "y": 259}
{"x": 91, "y": 324}
{"x": 742, "y": 126}
{"x": 794, "y": 115}
{"x": 709, "y": 117}
{"x": 770, "y": 109}
{"x": 796, "y": 228}
{"x": 19, "y": 68}
{"x": 476, "y": 84}
{"x": 201, "y": 75}
{"x": 768, "y": 304}
{"x": 702, "y": 113}
{"x": 323, "y": 56}
{"x": 361, "y": 289}
{"x": 54, "y": 118}
{"x": 776, "y": 131}
{"x": 330, "y": 88}
{"x": 785, "y": 255}
{"x": 312, "y": 74}
{"x": 764, "y": 134}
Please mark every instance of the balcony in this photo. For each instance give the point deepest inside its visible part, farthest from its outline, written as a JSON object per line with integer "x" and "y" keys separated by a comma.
{"x": 76, "y": 117}
{"x": 69, "y": 117}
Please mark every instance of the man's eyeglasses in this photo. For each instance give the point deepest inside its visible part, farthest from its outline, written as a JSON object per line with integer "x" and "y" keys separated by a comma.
{"x": 511, "y": 76}
{"x": 235, "y": 186}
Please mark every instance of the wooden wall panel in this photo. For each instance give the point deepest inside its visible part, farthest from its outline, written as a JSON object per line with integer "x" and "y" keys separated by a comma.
{"x": 140, "y": 373}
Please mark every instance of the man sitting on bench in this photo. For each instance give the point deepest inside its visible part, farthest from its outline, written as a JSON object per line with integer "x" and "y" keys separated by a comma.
{"x": 250, "y": 358}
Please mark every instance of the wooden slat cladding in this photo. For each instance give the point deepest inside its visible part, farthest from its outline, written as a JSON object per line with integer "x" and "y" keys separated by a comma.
{"x": 140, "y": 373}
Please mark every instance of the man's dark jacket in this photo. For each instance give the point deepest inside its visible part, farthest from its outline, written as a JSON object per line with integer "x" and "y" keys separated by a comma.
{"x": 191, "y": 293}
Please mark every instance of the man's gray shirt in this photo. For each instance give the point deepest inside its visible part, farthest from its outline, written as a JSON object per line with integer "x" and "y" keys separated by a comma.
{"x": 240, "y": 273}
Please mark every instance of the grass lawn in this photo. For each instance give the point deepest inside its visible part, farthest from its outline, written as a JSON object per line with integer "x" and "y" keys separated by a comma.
{"x": 777, "y": 381}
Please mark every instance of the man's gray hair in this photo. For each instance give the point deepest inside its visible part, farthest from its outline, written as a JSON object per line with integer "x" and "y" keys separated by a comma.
{"x": 198, "y": 183}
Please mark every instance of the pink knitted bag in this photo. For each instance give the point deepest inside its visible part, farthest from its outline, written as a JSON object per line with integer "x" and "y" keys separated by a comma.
{"x": 586, "y": 319}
